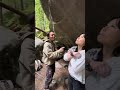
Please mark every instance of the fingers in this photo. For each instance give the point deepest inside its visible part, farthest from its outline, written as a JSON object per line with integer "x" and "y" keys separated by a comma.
{"x": 102, "y": 69}
{"x": 61, "y": 49}
{"x": 107, "y": 70}
{"x": 69, "y": 56}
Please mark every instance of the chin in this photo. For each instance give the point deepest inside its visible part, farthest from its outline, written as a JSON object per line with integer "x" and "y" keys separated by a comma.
{"x": 99, "y": 38}
{"x": 53, "y": 39}
{"x": 76, "y": 42}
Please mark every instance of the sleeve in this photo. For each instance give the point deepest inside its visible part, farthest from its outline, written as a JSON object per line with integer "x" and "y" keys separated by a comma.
{"x": 65, "y": 57}
{"x": 47, "y": 50}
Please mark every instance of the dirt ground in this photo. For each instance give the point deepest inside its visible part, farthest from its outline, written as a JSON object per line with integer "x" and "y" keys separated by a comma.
{"x": 60, "y": 77}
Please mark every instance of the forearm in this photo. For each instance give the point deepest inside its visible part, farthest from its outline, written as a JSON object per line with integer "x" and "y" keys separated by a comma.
{"x": 54, "y": 55}
{"x": 48, "y": 51}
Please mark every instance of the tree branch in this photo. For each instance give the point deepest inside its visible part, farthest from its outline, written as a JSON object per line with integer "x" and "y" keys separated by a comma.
{"x": 12, "y": 9}
{"x": 41, "y": 30}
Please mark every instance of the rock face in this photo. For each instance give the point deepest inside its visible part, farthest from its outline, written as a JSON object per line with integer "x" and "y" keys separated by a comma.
{"x": 38, "y": 42}
{"x": 72, "y": 17}
{"x": 68, "y": 17}
{"x": 39, "y": 47}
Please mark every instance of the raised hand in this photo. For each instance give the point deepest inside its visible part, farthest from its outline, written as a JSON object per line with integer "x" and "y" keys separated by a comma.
{"x": 61, "y": 49}
{"x": 102, "y": 68}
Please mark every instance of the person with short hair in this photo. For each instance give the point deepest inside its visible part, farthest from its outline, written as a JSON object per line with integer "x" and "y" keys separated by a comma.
{"x": 50, "y": 55}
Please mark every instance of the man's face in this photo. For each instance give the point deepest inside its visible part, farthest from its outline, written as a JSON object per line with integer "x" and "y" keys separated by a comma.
{"x": 52, "y": 36}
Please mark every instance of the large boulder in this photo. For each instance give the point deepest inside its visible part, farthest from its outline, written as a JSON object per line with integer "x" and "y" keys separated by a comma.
{"x": 72, "y": 17}
{"x": 68, "y": 17}
{"x": 38, "y": 42}
{"x": 39, "y": 48}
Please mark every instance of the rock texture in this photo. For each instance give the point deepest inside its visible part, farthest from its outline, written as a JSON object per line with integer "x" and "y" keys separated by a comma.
{"x": 68, "y": 17}
{"x": 72, "y": 17}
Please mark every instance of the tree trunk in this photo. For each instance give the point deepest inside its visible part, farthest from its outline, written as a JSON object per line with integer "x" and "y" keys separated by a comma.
{"x": 22, "y": 6}
{"x": 1, "y": 17}
{"x": 41, "y": 30}
{"x": 15, "y": 4}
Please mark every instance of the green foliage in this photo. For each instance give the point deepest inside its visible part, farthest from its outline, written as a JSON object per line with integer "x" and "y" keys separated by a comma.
{"x": 10, "y": 18}
{"x": 30, "y": 7}
{"x": 40, "y": 19}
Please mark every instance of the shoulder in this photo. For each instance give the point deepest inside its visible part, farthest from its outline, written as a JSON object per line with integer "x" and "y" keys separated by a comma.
{"x": 28, "y": 43}
{"x": 48, "y": 44}
{"x": 115, "y": 60}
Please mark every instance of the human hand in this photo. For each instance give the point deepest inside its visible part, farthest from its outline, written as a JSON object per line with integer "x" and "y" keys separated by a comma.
{"x": 69, "y": 51}
{"x": 61, "y": 49}
{"x": 102, "y": 68}
{"x": 76, "y": 54}
{"x": 69, "y": 56}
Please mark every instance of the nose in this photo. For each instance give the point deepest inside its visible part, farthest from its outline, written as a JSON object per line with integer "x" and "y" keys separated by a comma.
{"x": 78, "y": 38}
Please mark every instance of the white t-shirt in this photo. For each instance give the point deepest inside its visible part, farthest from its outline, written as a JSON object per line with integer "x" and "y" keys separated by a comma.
{"x": 76, "y": 66}
{"x": 97, "y": 82}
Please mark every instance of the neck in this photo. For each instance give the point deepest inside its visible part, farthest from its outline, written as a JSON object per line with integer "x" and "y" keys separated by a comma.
{"x": 79, "y": 48}
{"x": 107, "y": 52}
{"x": 50, "y": 40}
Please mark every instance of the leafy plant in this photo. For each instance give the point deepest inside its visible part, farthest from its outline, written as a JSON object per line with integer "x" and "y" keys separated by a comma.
{"x": 40, "y": 19}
